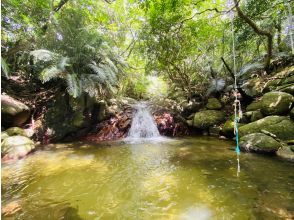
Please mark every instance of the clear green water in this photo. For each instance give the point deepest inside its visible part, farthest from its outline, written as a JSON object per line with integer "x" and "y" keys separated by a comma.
{"x": 190, "y": 178}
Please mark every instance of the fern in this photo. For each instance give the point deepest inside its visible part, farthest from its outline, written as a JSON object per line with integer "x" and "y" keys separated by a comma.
{"x": 43, "y": 55}
{"x": 73, "y": 85}
{"x": 63, "y": 62}
{"x": 5, "y": 68}
{"x": 50, "y": 73}
{"x": 99, "y": 72}
{"x": 216, "y": 85}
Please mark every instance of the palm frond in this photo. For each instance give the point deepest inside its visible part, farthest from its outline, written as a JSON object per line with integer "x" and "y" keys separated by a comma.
{"x": 99, "y": 72}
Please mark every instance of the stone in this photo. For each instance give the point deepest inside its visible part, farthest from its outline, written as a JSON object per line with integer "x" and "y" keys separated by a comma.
{"x": 286, "y": 153}
{"x": 228, "y": 128}
{"x": 253, "y": 87}
{"x": 213, "y": 104}
{"x": 4, "y": 135}
{"x": 16, "y": 147}
{"x": 16, "y": 131}
{"x": 259, "y": 143}
{"x": 208, "y": 118}
{"x": 13, "y": 112}
{"x": 190, "y": 108}
{"x": 281, "y": 126}
{"x": 276, "y": 103}
{"x": 292, "y": 114}
{"x": 254, "y": 106}
{"x": 214, "y": 130}
{"x": 256, "y": 115}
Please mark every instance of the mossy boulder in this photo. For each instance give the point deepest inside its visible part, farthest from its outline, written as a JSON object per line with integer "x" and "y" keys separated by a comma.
{"x": 213, "y": 104}
{"x": 292, "y": 113}
{"x": 16, "y": 147}
{"x": 228, "y": 128}
{"x": 281, "y": 126}
{"x": 13, "y": 112}
{"x": 208, "y": 118}
{"x": 254, "y": 106}
{"x": 260, "y": 143}
{"x": 16, "y": 131}
{"x": 256, "y": 115}
{"x": 286, "y": 153}
{"x": 4, "y": 135}
{"x": 253, "y": 87}
{"x": 276, "y": 103}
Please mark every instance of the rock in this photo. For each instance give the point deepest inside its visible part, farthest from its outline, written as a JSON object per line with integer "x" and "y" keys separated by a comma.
{"x": 16, "y": 131}
{"x": 208, "y": 118}
{"x": 254, "y": 106}
{"x": 292, "y": 113}
{"x": 214, "y": 130}
{"x": 4, "y": 135}
{"x": 13, "y": 112}
{"x": 260, "y": 143}
{"x": 256, "y": 115}
{"x": 16, "y": 147}
{"x": 190, "y": 107}
{"x": 280, "y": 126}
{"x": 286, "y": 153}
{"x": 228, "y": 128}
{"x": 276, "y": 103}
{"x": 213, "y": 104}
{"x": 253, "y": 87}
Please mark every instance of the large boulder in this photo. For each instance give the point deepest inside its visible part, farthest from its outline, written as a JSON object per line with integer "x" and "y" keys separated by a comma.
{"x": 16, "y": 131}
{"x": 260, "y": 143}
{"x": 213, "y": 104}
{"x": 190, "y": 107}
{"x": 286, "y": 153}
{"x": 292, "y": 113}
{"x": 280, "y": 126}
{"x": 13, "y": 112}
{"x": 276, "y": 103}
{"x": 254, "y": 106}
{"x": 228, "y": 128}
{"x": 16, "y": 147}
{"x": 253, "y": 87}
{"x": 208, "y": 118}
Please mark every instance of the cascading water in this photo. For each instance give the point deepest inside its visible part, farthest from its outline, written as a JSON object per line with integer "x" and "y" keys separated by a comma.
{"x": 143, "y": 124}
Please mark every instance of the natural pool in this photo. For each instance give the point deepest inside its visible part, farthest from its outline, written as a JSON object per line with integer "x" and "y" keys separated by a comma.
{"x": 188, "y": 178}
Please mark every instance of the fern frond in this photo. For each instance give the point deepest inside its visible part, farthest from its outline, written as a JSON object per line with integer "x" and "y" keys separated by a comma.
{"x": 49, "y": 73}
{"x": 73, "y": 85}
{"x": 63, "y": 62}
{"x": 5, "y": 68}
{"x": 111, "y": 75}
{"x": 111, "y": 65}
{"x": 43, "y": 55}
{"x": 99, "y": 72}
{"x": 90, "y": 84}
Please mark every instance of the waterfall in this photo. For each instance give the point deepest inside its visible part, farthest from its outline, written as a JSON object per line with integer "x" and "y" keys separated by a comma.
{"x": 143, "y": 124}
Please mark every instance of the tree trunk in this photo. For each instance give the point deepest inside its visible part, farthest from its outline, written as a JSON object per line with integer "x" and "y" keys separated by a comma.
{"x": 259, "y": 32}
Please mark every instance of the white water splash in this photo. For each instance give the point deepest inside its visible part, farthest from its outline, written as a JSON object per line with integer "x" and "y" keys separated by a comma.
{"x": 143, "y": 124}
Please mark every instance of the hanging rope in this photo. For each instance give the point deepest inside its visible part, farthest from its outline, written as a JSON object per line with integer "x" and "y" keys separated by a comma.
{"x": 237, "y": 104}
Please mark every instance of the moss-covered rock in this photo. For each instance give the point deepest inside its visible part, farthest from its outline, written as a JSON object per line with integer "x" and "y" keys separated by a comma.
{"x": 286, "y": 153}
{"x": 260, "y": 143}
{"x": 256, "y": 115}
{"x": 4, "y": 135}
{"x": 228, "y": 128}
{"x": 292, "y": 113}
{"x": 213, "y": 104}
{"x": 13, "y": 112}
{"x": 254, "y": 106}
{"x": 253, "y": 87}
{"x": 16, "y": 147}
{"x": 16, "y": 131}
{"x": 280, "y": 126}
{"x": 208, "y": 118}
{"x": 276, "y": 103}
